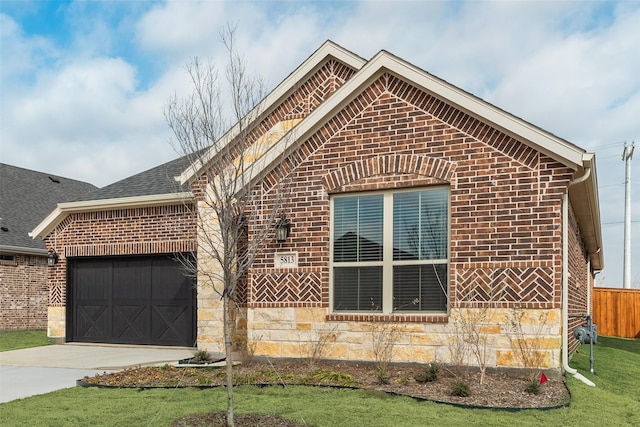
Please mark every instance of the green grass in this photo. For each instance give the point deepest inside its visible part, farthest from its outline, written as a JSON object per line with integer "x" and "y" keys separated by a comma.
{"x": 614, "y": 401}
{"x": 15, "y": 340}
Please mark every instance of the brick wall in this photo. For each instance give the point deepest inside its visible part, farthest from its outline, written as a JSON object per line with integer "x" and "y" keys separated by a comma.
{"x": 23, "y": 293}
{"x": 580, "y": 283}
{"x": 505, "y": 197}
{"x": 137, "y": 231}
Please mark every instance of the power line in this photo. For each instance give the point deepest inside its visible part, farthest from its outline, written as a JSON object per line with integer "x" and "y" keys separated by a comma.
{"x": 617, "y": 222}
{"x": 609, "y": 145}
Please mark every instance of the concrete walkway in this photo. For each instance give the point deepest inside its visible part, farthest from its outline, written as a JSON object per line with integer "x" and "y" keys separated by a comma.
{"x": 31, "y": 371}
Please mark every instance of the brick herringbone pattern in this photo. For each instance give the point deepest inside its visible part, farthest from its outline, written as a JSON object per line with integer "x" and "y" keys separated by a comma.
{"x": 505, "y": 285}
{"x": 56, "y": 296}
{"x": 286, "y": 287}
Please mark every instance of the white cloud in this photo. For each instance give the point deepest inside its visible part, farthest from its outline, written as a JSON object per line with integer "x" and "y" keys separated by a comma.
{"x": 181, "y": 28}
{"x": 21, "y": 56}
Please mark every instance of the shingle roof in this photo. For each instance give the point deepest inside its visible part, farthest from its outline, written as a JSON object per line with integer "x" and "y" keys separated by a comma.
{"x": 27, "y": 197}
{"x": 157, "y": 180}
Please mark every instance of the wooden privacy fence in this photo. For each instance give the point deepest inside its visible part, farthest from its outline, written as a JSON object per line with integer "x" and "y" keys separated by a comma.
{"x": 617, "y": 312}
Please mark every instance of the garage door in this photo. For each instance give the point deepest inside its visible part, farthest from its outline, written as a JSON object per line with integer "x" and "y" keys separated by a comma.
{"x": 130, "y": 300}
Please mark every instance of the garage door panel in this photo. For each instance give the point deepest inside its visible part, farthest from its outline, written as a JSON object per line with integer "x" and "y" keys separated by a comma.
{"x": 93, "y": 322}
{"x": 131, "y": 279}
{"x": 169, "y": 321}
{"x": 131, "y": 323}
{"x": 134, "y": 300}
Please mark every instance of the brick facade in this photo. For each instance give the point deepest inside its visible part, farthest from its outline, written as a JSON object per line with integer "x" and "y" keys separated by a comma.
{"x": 505, "y": 225}
{"x": 23, "y": 293}
{"x": 580, "y": 281}
{"x": 134, "y": 231}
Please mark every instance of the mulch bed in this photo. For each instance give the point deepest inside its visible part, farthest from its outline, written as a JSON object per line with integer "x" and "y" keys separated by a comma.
{"x": 502, "y": 390}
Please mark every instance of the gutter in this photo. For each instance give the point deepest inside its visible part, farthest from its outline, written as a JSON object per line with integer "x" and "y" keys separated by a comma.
{"x": 565, "y": 283}
{"x": 23, "y": 250}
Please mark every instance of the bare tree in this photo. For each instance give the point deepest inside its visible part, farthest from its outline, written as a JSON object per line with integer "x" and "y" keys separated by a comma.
{"x": 217, "y": 127}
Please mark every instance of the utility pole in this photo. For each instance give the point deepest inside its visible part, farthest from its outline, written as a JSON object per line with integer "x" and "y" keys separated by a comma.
{"x": 627, "y": 155}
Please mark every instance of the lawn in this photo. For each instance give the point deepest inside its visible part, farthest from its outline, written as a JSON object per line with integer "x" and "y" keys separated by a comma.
{"x": 14, "y": 340}
{"x": 614, "y": 401}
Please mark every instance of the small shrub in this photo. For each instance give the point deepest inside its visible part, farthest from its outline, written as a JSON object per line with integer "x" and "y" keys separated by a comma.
{"x": 318, "y": 347}
{"x": 249, "y": 349}
{"x": 460, "y": 389}
{"x": 382, "y": 376}
{"x": 403, "y": 380}
{"x": 533, "y": 387}
{"x": 429, "y": 374}
{"x": 383, "y": 337}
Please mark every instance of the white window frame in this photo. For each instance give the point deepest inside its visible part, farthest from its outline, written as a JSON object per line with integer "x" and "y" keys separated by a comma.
{"x": 388, "y": 262}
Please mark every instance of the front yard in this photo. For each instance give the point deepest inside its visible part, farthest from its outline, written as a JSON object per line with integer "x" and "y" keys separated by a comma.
{"x": 614, "y": 401}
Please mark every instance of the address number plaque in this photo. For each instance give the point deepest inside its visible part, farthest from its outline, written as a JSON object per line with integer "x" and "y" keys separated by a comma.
{"x": 286, "y": 260}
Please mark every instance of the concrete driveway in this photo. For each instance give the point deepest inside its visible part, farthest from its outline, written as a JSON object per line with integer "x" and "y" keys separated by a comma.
{"x": 39, "y": 370}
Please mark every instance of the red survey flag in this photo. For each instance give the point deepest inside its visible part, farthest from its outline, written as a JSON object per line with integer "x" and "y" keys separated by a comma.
{"x": 543, "y": 378}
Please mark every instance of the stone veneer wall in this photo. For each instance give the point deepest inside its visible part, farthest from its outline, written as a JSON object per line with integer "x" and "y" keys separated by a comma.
{"x": 506, "y": 227}
{"x": 23, "y": 293}
{"x": 295, "y": 331}
{"x": 135, "y": 231}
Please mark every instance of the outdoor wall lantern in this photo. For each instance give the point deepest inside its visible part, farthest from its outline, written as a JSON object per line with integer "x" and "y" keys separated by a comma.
{"x": 283, "y": 228}
{"x": 52, "y": 258}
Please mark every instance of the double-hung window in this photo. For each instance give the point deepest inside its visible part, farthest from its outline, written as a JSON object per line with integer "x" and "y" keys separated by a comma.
{"x": 390, "y": 251}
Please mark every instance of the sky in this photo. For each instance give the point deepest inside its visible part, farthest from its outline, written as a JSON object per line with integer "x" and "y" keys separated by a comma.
{"x": 83, "y": 83}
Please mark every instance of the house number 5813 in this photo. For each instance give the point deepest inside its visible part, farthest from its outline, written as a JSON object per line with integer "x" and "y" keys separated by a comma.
{"x": 286, "y": 260}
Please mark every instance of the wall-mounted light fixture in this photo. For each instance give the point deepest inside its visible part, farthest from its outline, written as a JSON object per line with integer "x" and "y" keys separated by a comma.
{"x": 52, "y": 258}
{"x": 283, "y": 228}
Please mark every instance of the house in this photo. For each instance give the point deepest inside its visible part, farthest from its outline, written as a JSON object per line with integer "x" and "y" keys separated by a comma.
{"x": 26, "y": 196}
{"x": 412, "y": 203}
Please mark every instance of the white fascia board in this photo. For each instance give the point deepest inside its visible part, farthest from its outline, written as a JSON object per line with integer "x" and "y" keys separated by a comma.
{"x": 64, "y": 209}
{"x": 272, "y": 100}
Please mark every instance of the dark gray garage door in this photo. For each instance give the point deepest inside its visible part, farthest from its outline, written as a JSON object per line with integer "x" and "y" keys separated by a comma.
{"x": 130, "y": 300}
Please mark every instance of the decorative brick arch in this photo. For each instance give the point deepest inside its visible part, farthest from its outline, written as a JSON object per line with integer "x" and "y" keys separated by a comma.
{"x": 395, "y": 164}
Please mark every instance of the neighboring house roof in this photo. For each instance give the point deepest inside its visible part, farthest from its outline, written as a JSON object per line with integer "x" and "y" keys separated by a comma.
{"x": 27, "y": 196}
{"x": 153, "y": 187}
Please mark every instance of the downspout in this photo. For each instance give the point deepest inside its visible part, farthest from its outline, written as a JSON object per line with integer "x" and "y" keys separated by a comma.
{"x": 565, "y": 283}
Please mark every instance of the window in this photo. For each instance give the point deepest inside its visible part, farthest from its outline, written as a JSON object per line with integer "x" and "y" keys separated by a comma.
{"x": 390, "y": 251}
